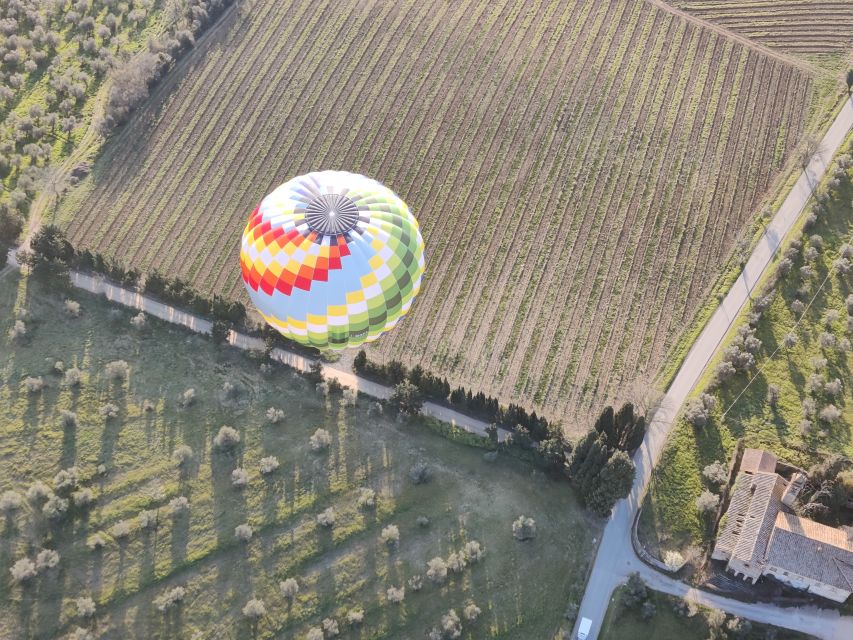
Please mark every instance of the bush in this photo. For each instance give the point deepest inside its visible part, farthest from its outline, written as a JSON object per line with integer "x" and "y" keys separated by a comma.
{"x": 268, "y": 465}
{"x": 83, "y": 498}
{"x": 289, "y": 588}
{"x": 79, "y": 633}
{"x": 830, "y": 414}
{"x": 326, "y": 518}
{"x": 85, "y": 607}
{"x": 72, "y": 308}
{"x": 635, "y": 591}
{"x": 255, "y": 609}
{"x": 187, "y": 398}
{"x": 243, "y": 532}
{"x": 109, "y": 411}
{"x": 456, "y": 562}
{"x": 471, "y": 612}
{"x": 170, "y": 598}
{"x": 827, "y": 340}
{"x": 437, "y": 570}
{"x": 10, "y": 501}
{"x": 96, "y": 542}
{"x": 790, "y": 340}
{"x": 321, "y": 440}
{"x": 23, "y": 570}
{"x": 55, "y": 508}
{"x": 391, "y": 535}
{"x": 138, "y": 321}
{"x": 698, "y": 410}
{"x": 451, "y": 627}
{"x": 416, "y": 582}
{"x": 716, "y": 473}
{"x": 422, "y": 521}
{"x": 33, "y": 384}
{"x": 18, "y": 330}
{"x": 355, "y": 617}
{"x": 330, "y": 628}
{"x": 73, "y": 377}
{"x": 420, "y": 473}
{"x": 179, "y": 505}
{"x": 182, "y": 455}
{"x": 707, "y": 502}
{"x": 46, "y": 559}
{"x": 117, "y": 370}
{"x": 147, "y": 519}
{"x": 524, "y": 528}
{"x": 120, "y": 530}
{"x": 67, "y": 419}
{"x": 227, "y": 438}
{"x": 773, "y": 394}
{"x": 673, "y": 560}
{"x": 407, "y": 398}
{"x": 395, "y": 595}
{"x": 239, "y": 478}
{"x": 473, "y": 551}
{"x": 314, "y": 633}
{"x": 833, "y": 387}
{"x": 38, "y": 492}
{"x": 274, "y": 416}
{"x": 366, "y": 498}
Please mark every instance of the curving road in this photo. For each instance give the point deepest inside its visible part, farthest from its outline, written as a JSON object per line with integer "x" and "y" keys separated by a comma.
{"x": 615, "y": 558}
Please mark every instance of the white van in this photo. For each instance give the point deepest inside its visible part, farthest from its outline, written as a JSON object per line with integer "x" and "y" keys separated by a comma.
{"x": 583, "y": 628}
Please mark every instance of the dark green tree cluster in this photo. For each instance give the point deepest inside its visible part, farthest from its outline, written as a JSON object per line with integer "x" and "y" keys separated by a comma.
{"x": 407, "y": 398}
{"x": 478, "y": 405}
{"x": 830, "y": 487}
{"x": 636, "y": 596}
{"x": 600, "y": 466}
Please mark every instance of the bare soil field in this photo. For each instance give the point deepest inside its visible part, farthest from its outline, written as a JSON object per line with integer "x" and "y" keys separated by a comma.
{"x": 581, "y": 171}
{"x": 800, "y": 26}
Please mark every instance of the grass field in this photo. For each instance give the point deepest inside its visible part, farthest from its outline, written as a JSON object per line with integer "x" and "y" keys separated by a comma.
{"x": 522, "y": 588}
{"x": 623, "y": 623}
{"x": 670, "y": 516}
{"x": 578, "y": 168}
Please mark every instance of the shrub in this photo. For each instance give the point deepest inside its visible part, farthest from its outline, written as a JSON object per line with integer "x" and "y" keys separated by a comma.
{"x": 120, "y": 530}
{"x": 227, "y": 438}
{"x": 83, "y": 498}
{"x": 268, "y": 465}
{"x": 148, "y": 406}
{"x": 23, "y": 570}
{"x": 182, "y": 455}
{"x": 524, "y": 528}
{"x": 830, "y": 414}
{"x": 314, "y": 633}
{"x": 391, "y": 535}
{"x": 255, "y": 609}
{"x": 473, "y": 551}
{"x": 471, "y": 612}
{"x": 422, "y": 521}
{"x": 707, "y": 502}
{"x": 456, "y": 562}
{"x": 321, "y": 440}
{"x": 396, "y": 595}
{"x": 170, "y": 598}
{"x": 38, "y": 492}
{"x": 451, "y": 627}
{"x": 815, "y": 383}
{"x": 85, "y": 607}
{"x": 179, "y": 505}
{"x": 366, "y": 498}
{"x": 274, "y": 416}
{"x": 46, "y": 559}
{"x": 147, "y": 519}
{"x": 289, "y": 588}
{"x": 18, "y": 330}
{"x": 790, "y": 341}
{"x": 716, "y": 472}
{"x": 96, "y": 542}
{"x": 326, "y": 518}
{"x": 10, "y": 501}
{"x": 187, "y": 398}
{"x": 798, "y": 306}
{"x": 138, "y": 321}
{"x": 355, "y": 617}
{"x": 407, "y": 398}
{"x": 109, "y": 411}
{"x": 239, "y": 478}
{"x": 416, "y": 582}
{"x": 243, "y": 532}
{"x": 773, "y": 394}
{"x": 420, "y": 473}
{"x": 437, "y": 570}
{"x": 33, "y": 384}
{"x": 79, "y": 633}
{"x": 55, "y": 507}
{"x": 827, "y": 340}
{"x": 330, "y": 628}
{"x": 73, "y": 377}
{"x": 67, "y": 419}
{"x": 673, "y": 560}
{"x": 117, "y": 370}
{"x": 350, "y": 397}
{"x": 59, "y": 367}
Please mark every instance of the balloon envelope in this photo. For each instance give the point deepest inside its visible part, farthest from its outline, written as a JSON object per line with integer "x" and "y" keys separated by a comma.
{"x": 332, "y": 259}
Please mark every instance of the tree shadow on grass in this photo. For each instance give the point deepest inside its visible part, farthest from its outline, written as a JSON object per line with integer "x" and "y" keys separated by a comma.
{"x": 51, "y": 587}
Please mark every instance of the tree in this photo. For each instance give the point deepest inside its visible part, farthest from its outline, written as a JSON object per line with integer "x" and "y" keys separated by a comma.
{"x": 707, "y": 502}
{"x": 219, "y": 332}
{"x": 50, "y": 249}
{"x": 849, "y": 79}
{"x": 612, "y": 483}
{"x": 595, "y": 460}
{"x": 635, "y": 592}
{"x": 716, "y": 472}
{"x": 360, "y": 362}
{"x": 407, "y": 398}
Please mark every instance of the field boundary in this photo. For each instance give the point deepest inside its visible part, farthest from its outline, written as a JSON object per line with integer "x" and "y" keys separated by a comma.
{"x": 101, "y": 286}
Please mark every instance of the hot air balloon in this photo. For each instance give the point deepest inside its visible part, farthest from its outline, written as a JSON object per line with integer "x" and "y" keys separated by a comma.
{"x": 332, "y": 259}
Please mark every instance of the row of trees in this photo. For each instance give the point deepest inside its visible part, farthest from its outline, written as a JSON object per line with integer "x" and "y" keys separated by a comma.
{"x": 438, "y": 389}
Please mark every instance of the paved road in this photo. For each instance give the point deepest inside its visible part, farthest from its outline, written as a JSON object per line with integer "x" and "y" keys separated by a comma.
{"x": 136, "y": 300}
{"x": 615, "y": 558}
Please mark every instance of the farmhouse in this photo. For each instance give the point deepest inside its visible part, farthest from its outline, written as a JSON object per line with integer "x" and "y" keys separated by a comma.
{"x": 760, "y": 536}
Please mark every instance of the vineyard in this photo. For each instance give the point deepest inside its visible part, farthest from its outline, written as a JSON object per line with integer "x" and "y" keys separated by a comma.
{"x": 800, "y": 26}
{"x": 581, "y": 170}
{"x": 171, "y": 534}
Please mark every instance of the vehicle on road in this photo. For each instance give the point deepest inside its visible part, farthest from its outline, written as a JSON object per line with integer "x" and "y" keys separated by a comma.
{"x": 583, "y": 628}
